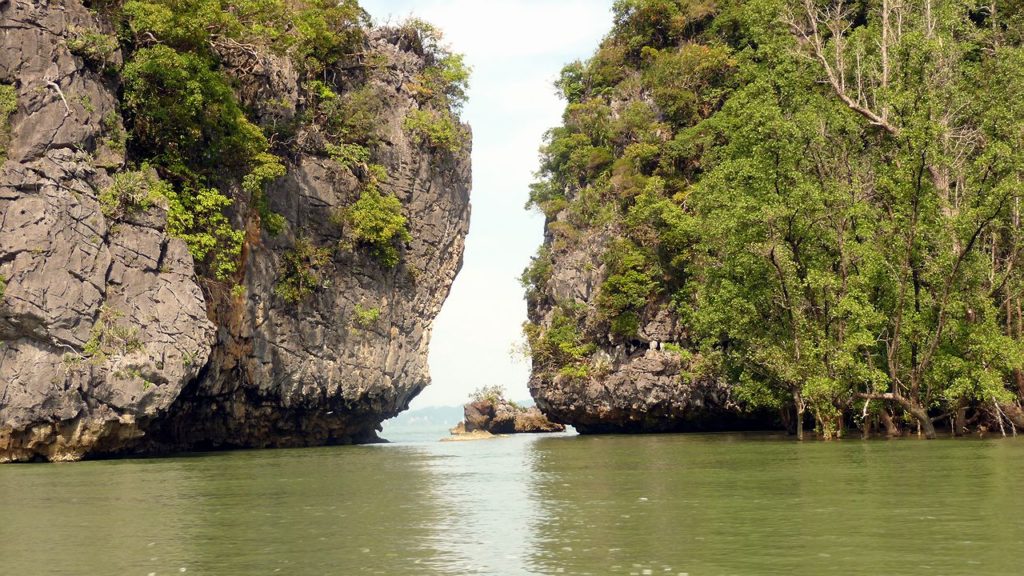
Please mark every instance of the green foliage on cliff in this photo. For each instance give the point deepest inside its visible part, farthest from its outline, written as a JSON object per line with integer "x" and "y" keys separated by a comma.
{"x": 625, "y": 292}
{"x": 535, "y": 278}
{"x": 561, "y": 344}
{"x": 437, "y": 129}
{"x": 8, "y": 105}
{"x": 185, "y": 120}
{"x": 375, "y": 220}
{"x": 95, "y": 48}
{"x": 366, "y": 317}
{"x": 349, "y": 156}
{"x": 196, "y": 215}
{"x": 110, "y": 336}
{"x": 315, "y": 32}
{"x": 351, "y": 118}
{"x": 827, "y": 197}
{"x": 327, "y": 31}
{"x": 185, "y": 64}
{"x": 494, "y": 395}
{"x": 185, "y": 116}
{"x": 445, "y": 81}
{"x": 446, "y": 78}
{"x": 132, "y": 191}
{"x": 300, "y": 275}
{"x": 440, "y": 90}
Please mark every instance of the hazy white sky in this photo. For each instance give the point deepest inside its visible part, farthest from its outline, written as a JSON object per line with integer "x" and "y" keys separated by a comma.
{"x": 516, "y": 49}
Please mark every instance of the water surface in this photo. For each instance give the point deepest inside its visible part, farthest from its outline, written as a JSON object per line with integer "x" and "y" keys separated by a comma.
{"x": 672, "y": 504}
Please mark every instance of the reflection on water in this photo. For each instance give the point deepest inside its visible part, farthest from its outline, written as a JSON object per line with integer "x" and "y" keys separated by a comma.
{"x": 318, "y": 511}
{"x": 712, "y": 504}
{"x": 737, "y": 505}
{"x": 486, "y": 488}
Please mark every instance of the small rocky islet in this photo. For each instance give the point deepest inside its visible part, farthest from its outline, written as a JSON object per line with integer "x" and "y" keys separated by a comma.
{"x": 489, "y": 413}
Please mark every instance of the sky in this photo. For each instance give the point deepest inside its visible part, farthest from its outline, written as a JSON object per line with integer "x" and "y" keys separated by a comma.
{"x": 516, "y": 49}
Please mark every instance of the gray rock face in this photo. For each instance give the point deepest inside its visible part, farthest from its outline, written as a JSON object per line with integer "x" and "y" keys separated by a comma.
{"x": 75, "y": 283}
{"x": 637, "y": 385}
{"x": 646, "y": 393}
{"x": 110, "y": 342}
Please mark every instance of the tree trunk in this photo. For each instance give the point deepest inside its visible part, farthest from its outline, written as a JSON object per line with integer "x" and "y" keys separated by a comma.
{"x": 891, "y": 429}
{"x": 799, "y": 405}
{"x": 919, "y": 413}
{"x": 1014, "y": 414}
{"x": 923, "y": 419}
{"x": 959, "y": 420}
{"x": 787, "y": 420}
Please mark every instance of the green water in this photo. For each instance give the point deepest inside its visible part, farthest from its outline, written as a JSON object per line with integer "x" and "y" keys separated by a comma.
{"x": 715, "y": 504}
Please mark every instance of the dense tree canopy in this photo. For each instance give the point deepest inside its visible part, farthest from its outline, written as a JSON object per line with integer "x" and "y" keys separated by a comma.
{"x": 828, "y": 194}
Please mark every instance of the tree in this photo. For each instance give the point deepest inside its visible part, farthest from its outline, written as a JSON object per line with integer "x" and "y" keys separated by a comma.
{"x": 826, "y": 193}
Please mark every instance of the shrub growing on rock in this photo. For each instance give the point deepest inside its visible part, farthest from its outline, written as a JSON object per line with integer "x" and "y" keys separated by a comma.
{"x": 133, "y": 191}
{"x": 436, "y": 129}
{"x": 8, "y": 104}
{"x": 300, "y": 271}
{"x": 366, "y": 317}
{"x": 375, "y": 220}
{"x": 95, "y": 48}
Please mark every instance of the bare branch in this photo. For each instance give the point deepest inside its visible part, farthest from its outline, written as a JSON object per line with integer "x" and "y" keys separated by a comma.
{"x": 809, "y": 36}
{"x": 60, "y": 93}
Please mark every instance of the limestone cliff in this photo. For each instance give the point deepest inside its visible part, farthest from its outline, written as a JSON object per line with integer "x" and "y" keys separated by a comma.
{"x": 607, "y": 294}
{"x": 111, "y": 341}
{"x": 728, "y": 244}
{"x": 639, "y": 383}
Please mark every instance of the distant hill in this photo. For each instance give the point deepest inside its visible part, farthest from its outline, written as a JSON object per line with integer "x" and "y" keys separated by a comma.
{"x": 432, "y": 416}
